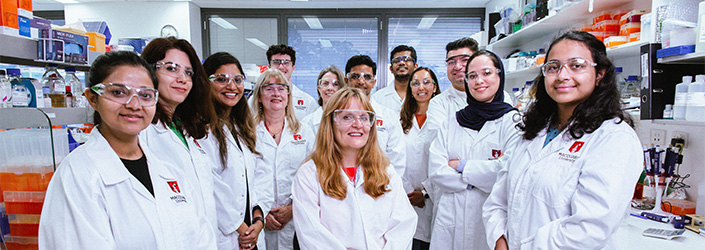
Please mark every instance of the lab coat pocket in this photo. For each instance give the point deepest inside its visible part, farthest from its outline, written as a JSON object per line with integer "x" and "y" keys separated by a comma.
{"x": 555, "y": 182}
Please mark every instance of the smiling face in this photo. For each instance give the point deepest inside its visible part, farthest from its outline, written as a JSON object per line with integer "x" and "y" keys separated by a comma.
{"x": 456, "y": 67}
{"x": 361, "y": 83}
{"x": 568, "y": 88}
{"x": 173, "y": 90}
{"x": 276, "y": 100}
{"x": 230, "y": 93}
{"x": 123, "y": 120}
{"x": 402, "y": 70}
{"x": 423, "y": 92}
{"x": 287, "y": 68}
{"x": 353, "y": 137}
{"x": 486, "y": 81}
{"x": 327, "y": 92}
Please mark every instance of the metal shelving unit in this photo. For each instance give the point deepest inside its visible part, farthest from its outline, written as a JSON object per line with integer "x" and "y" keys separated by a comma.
{"x": 23, "y": 51}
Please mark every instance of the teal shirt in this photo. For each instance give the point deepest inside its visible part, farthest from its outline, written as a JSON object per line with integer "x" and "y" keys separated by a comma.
{"x": 551, "y": 134}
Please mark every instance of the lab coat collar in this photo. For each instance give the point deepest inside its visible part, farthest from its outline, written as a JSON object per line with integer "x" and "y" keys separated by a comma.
{"x": 536, "y": 149}
{"x": 477, "y": 136}
{"x": 316, "y": 117}
{"x": 231, "y": 138}
{"x": 286, "y": 135}
{"x": 111, "y": 168}
{"x": 161, "y": 130}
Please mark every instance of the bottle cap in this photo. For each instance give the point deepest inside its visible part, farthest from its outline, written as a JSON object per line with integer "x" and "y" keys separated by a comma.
{"x": 13, "y": 72}
{"x": 700, "y": 78}
{"x": 618, "y": 69}
{"x": 529, "y": 82}
{"x": 70, "y": 69}
{"x": 53, "y": 65}
{"x": 687, "y": 79}
{"x": 632, "y": 78}
{"x": 669, "y": 106}
{"x": 515, "y": 89}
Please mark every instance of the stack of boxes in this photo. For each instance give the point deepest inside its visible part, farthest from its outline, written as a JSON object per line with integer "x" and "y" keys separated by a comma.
{"x": 25, "y": 172}
{"x": 616, "y": 27}
{"x": 15, "y": 17}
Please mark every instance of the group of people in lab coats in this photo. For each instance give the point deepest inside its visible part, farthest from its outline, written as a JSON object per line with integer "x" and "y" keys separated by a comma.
{"x": 180, "y": 160}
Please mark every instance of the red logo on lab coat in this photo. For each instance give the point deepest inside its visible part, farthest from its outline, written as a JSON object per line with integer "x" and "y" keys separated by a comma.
{"x": 297, "y": 137}
{"x": 300, "y": 102}
{"x": 379, "y": 122}
{"x": 174, "y": 186}
{"x": 496, "y": 153}
{"x": 576, "y": 147}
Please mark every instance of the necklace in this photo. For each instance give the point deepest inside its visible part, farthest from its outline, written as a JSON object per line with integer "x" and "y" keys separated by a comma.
{"x": 274, "y": 136}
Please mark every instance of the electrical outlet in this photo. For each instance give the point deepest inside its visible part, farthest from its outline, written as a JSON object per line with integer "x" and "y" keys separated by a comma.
{"x": 680, "y": 135}
{"x": 658, "y": 136}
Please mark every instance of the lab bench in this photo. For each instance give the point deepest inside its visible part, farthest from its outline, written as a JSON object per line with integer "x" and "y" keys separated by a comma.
{"x": 629, "y": 237}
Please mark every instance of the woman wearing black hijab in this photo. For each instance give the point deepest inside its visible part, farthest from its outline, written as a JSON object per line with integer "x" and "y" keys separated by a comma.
{"x": 467, "y": 154}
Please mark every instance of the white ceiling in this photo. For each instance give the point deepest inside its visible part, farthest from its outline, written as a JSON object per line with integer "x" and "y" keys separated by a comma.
{"x": 55, "y": 5}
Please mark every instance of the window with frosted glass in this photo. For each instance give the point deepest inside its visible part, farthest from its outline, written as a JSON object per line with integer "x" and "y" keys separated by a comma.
{"x": 429, "y": 36}
{"x": 245, "y": 38}
{"x": 320, "y": 42}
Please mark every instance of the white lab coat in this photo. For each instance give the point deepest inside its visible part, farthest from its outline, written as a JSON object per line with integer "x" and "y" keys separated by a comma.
{"x": 239, "y": 177}
{"x": 283, "y": 160}
{"x": 313, "y": 120}
{"x": 193, "y": 161}
{"x": 356, "y": 222}
{"x": 571, "y": 194}
{"x": 458, "y": 217}
{"x": 416, "y": 176}
{"x": 304, "y": 103}
{"x": 93, "y": 202}
{"x": 390, "y": 136}
{"x": 389, "y": 98}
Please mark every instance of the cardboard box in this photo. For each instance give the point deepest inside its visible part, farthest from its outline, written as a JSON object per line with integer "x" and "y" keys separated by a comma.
{"x": 96, "y": 42}
{"x": 24, "y": 8}
{"x": 24, "y": 26}
{"x": 9, "y": 22}
{"x": 64, "y": 47}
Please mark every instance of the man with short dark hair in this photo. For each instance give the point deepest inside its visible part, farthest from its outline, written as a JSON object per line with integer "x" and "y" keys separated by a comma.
{"x": 360, "y": 73}
{"x": 402, "y": 63}
{"x": 283, "y": 57}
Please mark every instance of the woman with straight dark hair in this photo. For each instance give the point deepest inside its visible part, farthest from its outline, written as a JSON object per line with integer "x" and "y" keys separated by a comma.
{"x": 185, "y": 114}
{"x": 569, "y": 183}
{"x": 231, "y": 145}
{"x": 347, "y": 195}
{"x": 467, "y": 154}
{"x": 422, "y": 86}
{"x": 114, "y": 192}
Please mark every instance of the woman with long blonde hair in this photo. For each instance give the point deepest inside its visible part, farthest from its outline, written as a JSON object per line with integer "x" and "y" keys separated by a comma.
{"x": 347, "y": 195}
{"x": 284, "y": 144}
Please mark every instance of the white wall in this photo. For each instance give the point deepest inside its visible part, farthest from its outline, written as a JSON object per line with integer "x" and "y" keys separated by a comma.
{"x": 141, "y": 19}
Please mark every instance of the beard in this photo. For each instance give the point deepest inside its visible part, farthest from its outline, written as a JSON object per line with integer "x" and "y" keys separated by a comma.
{"x": 402, "y": 77}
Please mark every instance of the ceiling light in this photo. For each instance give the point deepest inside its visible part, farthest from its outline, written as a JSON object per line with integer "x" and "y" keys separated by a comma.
{"x": 313, "y": 22}
{"x": 223, "y": 23}
{"x": 67, "y": 1}
{"x": 426, "y": 22}
{"x": 257, "y": 43}
{"x": 325, "y": 43}
{"x": 299, "y": 0}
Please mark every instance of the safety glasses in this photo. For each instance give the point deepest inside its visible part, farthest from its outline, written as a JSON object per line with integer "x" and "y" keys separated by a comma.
{"x": 346, "y": 117}
{"x": 122, "y": 94}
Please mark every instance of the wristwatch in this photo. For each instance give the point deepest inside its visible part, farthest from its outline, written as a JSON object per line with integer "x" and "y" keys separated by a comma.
{"x": 259, "y": 218}
{"x": 425, "y": 194}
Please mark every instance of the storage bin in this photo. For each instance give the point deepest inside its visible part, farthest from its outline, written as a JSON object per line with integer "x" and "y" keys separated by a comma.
{"x": 633, "y": 16}
{"x": 96, "y": 42}
{"x": 607, "y": 26}
{"x": 24, "y": 202}
{"x": 24, "y": 224}
{"x": 605, "y": 15}
{"x": 634, "y": 37}
{"x": 628, "y": 28}
{"x": 678, "y": 207}
{"x": 615, "y": 41}
{"x": 21, "y": 243}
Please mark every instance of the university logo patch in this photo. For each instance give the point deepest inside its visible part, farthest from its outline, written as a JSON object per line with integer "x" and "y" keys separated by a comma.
{"x": 174, "y": 186}
{"x": 300, "y": 102}
{"x": 576, "y": 147}
{"x": 297, "y": 137}
{"x": 496, "y": 153}
{"x": 379, "y": 122}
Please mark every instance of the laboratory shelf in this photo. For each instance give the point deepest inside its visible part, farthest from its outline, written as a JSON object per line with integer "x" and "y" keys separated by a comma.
{"x": 678, "y": 122}
{"x": 37, "y": 117}
{"x": 526, "y": 73}
{"x": 546, "y": 27}
{"x": 626, "y": 50}
{"x": 23, "y": 51}
{"x": 692, "y": 58}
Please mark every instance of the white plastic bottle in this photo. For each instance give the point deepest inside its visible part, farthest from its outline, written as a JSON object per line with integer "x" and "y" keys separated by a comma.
{"x": 515, "y": 95}
{"x": 695, "y": 111}
{"x": 5, "y": 91}
{"x": 525, "y": 98}
{"x": 681, "y": 98}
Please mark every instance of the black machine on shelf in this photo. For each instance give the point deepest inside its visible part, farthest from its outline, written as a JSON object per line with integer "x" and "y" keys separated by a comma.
{"x": 658, "y": 84}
